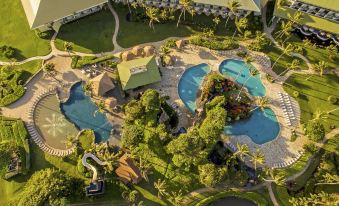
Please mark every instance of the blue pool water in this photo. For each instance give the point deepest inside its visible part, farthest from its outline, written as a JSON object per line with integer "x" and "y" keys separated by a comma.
{"x": 261, "y": 127}
{"x": 190, "y": 83}
{"x": 232, "y": 68}
{"x": 83, "y": 113}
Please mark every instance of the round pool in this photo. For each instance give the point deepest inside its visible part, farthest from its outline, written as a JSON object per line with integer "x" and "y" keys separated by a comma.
{"x": 240, "y": 72}
{"x": 189, "y": 85}
{"x": 261, "y": 127}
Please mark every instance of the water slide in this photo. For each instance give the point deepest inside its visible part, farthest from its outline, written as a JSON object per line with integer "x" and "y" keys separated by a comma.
{"x": 91, "y": 167}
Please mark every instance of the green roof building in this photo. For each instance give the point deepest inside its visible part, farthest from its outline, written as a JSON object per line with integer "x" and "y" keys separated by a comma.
{"x": 138, "y": 72}
{"x": 320, "y": 17}
{"x": 52, "y": 13}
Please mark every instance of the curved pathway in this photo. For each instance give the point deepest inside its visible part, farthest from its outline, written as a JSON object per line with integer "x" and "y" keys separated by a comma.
{"x": 117, "y": 47}
{"x": 91, "y": 167}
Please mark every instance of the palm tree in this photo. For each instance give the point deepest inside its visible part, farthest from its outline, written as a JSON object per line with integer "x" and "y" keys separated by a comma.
{"x": 257, "y": 158}
{"x": 233, "y": 7}
{"x": 152, "y": 14}
{"x": 320, "y": 67}
{"x": 253, "y": 73}
{"x": 68, "y": 47}
{"x": 240, "y": 24}
{"x": 262, "y": 103}
{"x": 71, "y": 141}
{"x": 49, "y": 71}
{"x": 319, "y": 115}
{"x": 88, "y": 89}
{"x": 242, "y": 151}
{"x": 101, "y": 107}
{"x": 288, "y": 49}
{"x": 295, "y": 64}
{"x": 130, "y": 195}
{"x": 276, "y": 178}
{"x": 177, "y": 198}
{"x": 186, "y": 5}
{"x": 161, "y": 187}
{"x": 332, "y": 51}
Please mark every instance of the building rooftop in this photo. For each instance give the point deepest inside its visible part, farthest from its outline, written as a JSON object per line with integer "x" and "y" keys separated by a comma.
{"x": 138, "y": 72}
{"x": 41, "y": 12}
{"x": 251, "y": 5}
{"x": 328, "y": 4}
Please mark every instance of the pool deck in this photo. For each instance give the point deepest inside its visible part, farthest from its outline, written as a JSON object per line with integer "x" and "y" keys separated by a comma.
{"x": 279, "y": 150}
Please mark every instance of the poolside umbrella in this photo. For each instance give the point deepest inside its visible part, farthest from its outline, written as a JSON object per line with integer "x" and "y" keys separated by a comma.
{"x": 101, "y": 84}
{"x": 149, "y": 51}
{"x": 137, "y": 50}
{"x": 127, "y": 55}
{"x": 111, "y": 102}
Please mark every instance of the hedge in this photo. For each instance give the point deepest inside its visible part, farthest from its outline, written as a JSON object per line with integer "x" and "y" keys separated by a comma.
{"x": 227, "y": 44}
{"x": 252, "y": 196}
{"x": 79, "y": 62}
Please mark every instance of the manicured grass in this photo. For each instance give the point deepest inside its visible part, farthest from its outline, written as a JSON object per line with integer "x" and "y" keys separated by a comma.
{"x": 314, "y": 93}
{"x": 29, "y": 69}
{"x": 295, "y": 167}
{"x": 91, "y": 34}
{"x": 315, "y": 54}
{"x": 15, "y": 32}
{"x": 273, "y": 53}
{"x": 281, "y": 195}
{"x": 134, "y": 33}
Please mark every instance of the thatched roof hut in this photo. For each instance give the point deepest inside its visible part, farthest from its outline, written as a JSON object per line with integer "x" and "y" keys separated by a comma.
{"x": 167, "y": 60}
{"x": 181, "y": 43}
{"x": 138, "y": 50}
{"x": 101, "y": 84}
{"x": 127, "y": 171}
{"x": 149, "y": 51}
{"x": 127, "y": 55}
{"x": 111, "y": 102}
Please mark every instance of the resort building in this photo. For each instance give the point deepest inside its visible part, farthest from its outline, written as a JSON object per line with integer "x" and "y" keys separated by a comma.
{"x": 320, "y": 17}
{"x": 127, "y": 171}
{"x": 138, "y": 72}
{"x": 208, "y": 7}
{"x": 46, "y": 14}
{"x": 101, "y": 84}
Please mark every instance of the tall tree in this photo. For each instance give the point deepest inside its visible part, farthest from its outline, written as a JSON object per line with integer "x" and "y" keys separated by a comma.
{"x": 68, "y": 47}
{"x": 257, "y": 158}
{"x": 242, "y": 151}
{"x": 153, "y": 16}
{"x": 186, "y": 6}
{"x": 295, "y": 64}
{"x": 233, "y": 7}
{"x": 253, "y": 73}
{"x": 320, "y": 67}
{"x": 161, "y": 187}
{"x": 49, "y": 71}
{"x": 240, "y": 25}
{"x": 332, "y": 51}
{"x": 288, "y": 49}
{"x": 262, "y": 102}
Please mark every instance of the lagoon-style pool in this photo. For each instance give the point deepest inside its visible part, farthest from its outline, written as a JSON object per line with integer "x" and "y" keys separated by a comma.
{"x": 80, "y": 109}
{"x": 261, "y": 127}
{"x": 239, "y": 71}
{"x": 189, "y": 85}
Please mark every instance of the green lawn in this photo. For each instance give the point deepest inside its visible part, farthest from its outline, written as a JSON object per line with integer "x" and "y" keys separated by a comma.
{"x": 91, "y": 34}
{"x": 295, "y": 167}
{"x": 15, "y": 32}
{"x": 313, "y": 96}
{"x": 316, "y": 54}
{"x": 29, "y": 69}
{"x": 134, "y": 33}
{"x": 273, "y": 53}
{"x": 281, "y": 195}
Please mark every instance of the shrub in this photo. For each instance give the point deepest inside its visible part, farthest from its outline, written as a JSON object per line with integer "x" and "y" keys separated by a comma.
{"x": 296, "y": 94}
{"x": 247, "y": 34}
{"x": 170, "y": 43}
{"x": 294, "y": 136}
{"x": 310, "y": 148}
{"x": 7, "y": 51}
{"x": 44, "y": 34}
{"x": 242, "y": 54}
{"x": 315, "y": 131}
{"x": 332, "y": 99}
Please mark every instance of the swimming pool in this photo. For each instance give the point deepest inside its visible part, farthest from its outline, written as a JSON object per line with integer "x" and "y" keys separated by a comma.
{"x": 261, "y": 127}
{"x": 190, "y": 83}
{"x": 80, "y": 109}
{"x": 239, "y": 71}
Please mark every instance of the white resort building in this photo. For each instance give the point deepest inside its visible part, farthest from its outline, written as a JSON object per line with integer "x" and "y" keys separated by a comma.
{"x": 44, "y": 14}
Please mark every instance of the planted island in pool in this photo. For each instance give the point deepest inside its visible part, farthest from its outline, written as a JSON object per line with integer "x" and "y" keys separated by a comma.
{"x": 260, "y": 125}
